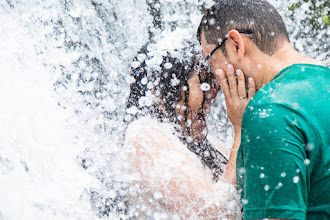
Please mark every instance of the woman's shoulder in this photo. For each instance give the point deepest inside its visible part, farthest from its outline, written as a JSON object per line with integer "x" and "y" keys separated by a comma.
{"x": 148, "y": 122}
{"x": 149, "y": 128}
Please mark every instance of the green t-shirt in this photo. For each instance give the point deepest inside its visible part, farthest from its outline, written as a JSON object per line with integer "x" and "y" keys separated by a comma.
{"x": 283, "y": 164}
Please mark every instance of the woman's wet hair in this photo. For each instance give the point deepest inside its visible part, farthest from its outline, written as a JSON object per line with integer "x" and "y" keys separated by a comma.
{"x": 158, "y": 76}
{"x": 160, "y": 82}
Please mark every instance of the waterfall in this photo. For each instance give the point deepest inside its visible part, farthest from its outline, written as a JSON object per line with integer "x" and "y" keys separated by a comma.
{"x": 64, "y": 84}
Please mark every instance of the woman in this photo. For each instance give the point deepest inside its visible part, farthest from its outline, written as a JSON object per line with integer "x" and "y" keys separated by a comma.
{"x": 177, "y": 163}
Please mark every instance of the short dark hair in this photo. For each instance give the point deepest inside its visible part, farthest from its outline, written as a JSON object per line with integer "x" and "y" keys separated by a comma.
{"x": 258, "y": 16}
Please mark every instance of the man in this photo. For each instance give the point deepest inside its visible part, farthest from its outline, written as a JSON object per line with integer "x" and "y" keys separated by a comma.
{"x": 283, "y": 161}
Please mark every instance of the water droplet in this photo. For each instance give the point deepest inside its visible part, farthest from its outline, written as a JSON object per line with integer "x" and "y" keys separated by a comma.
{"x": 141, "y": 57}
{"x": 262, "y": 175}
{"x": 144, "y": 81}
{"x": 168, "y": 65}
{"x": 245, "y": 201}
{"x": 241, "y": 170}
{"x": 298, "y": 170}
{"x": 259, "y": 66}
{"x": 283, "y": 174}
{"x": 296, "y": 105}
{"x": 296, "y": 179}
{"x": 206, "y": 154}
{"x": 220, "y": 40}
{"x": 266, "y": 187}
{"x": 309, "y": 146}
{"x": 307, "y": 161}
{"x": 150, "y": 85}
{"x": 205, "y": 87}
{"x": 158, "y": 195}
{"x": 218, "y": 71}
{"x": 295, "y": 122}
{"x": 189, "y": 139}
{"x": 212, "y": 21}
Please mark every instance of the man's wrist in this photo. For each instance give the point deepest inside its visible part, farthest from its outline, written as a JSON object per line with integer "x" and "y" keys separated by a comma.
{"x": 238, "y": 131}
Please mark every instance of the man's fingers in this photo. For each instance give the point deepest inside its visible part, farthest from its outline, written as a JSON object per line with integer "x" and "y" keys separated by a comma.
{"x": 232, "y": 80}
{"x": 221, "y": 78}
{"x": 241, "y": 84}
{"x": 252, "y": 88}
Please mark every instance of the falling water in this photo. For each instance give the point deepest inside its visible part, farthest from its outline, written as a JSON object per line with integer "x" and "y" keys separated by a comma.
{"x": 64, "y": 84}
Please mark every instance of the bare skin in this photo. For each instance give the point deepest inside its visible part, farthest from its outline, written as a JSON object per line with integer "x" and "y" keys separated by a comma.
{"x": 158, "y": 146}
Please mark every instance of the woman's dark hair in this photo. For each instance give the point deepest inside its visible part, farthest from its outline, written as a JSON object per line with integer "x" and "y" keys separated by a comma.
{"x": 158, "y": 73}
{"x": 165, "y": 74}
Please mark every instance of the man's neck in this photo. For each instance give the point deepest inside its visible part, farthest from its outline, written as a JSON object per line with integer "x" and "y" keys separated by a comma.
{"x": 286, "y": 56}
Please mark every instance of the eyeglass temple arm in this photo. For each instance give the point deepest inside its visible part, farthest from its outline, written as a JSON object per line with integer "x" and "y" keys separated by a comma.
{"x": 219, "y": 45}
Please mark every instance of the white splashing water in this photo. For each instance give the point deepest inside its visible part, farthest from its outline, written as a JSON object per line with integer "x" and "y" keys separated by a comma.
{"x": 63, "y": 89}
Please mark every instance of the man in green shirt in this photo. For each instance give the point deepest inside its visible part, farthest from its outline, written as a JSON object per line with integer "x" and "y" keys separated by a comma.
{"x": 283, "y": 162}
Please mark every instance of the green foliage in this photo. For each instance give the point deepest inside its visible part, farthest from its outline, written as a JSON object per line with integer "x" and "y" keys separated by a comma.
{"x": 318, "y": 13}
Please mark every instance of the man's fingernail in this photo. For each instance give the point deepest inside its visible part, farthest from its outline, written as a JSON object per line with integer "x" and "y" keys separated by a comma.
{"x": 230, "y": 67}
{"x": 238, "y": 73}
{"x": 250, "y": 81}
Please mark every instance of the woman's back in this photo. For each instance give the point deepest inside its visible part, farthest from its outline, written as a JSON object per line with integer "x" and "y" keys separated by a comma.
{"x": 170, "y": 173}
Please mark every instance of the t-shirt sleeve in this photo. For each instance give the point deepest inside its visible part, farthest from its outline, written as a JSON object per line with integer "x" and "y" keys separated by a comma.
{"x": 272, "y": 165}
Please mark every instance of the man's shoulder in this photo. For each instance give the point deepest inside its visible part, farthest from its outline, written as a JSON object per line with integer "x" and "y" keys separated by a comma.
{"x": 296, "y": 86}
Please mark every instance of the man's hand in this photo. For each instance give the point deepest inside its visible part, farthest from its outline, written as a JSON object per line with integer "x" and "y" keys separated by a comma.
{"x": 235, "y": 93}
{"x": 237, "y": 98}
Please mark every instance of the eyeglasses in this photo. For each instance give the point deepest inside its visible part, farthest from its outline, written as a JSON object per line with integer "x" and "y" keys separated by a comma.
{"x": 220, "y": 44}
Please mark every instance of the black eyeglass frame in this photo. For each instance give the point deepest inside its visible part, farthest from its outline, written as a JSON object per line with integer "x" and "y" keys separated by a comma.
{"x": 220, "y": 44}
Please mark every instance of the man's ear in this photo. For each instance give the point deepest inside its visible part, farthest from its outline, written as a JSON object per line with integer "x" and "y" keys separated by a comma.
{"x": 236, "y": 45}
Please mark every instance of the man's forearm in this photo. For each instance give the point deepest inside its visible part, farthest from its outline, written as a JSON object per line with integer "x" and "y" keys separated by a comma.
{"x": 230, "y": 174}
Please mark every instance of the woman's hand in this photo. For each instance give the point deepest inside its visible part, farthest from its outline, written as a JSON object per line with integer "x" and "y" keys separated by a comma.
{"x": 235, "y": 93}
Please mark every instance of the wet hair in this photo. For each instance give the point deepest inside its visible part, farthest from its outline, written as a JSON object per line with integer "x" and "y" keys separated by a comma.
{"x": 256, "y": 16}
{"x": 169, "y": 78}
{"x": 158, "y": 74}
